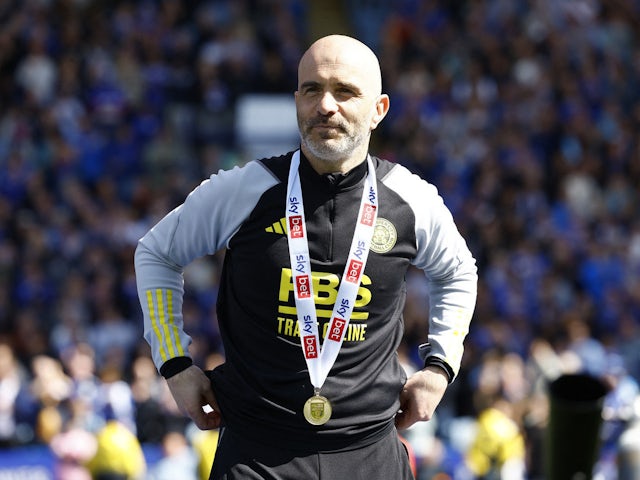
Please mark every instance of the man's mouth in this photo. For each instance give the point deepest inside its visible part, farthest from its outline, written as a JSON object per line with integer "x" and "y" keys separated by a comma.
{"x": 326, "y": 127}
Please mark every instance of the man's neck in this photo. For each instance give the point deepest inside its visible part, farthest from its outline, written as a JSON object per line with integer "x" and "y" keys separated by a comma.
{"x": 323, "y": 166}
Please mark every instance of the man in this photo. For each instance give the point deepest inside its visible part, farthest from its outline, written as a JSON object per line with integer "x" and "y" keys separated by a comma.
{"x": 318, "y": 242}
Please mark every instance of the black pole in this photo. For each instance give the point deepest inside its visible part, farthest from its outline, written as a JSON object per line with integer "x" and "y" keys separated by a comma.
{"x": 573, "y": 431}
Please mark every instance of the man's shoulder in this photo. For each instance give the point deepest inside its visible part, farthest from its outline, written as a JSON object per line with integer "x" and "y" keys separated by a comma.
{"x": 408, "y": 184}
{"x": 277, "y": 165}
{"x": 385, "y": 167}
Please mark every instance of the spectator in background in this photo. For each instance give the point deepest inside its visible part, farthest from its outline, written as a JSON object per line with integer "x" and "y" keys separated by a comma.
{"x": 618, "y": 411}
{"x": 178, "y": 461}
{"x": 37, "y": 71}
{"x": 51, "y": 389}
{"x": 498, "y": 450}
{"x": 205, "y": 444}
{"x": 86, "y": 403}
{"x": 116, "y": 397}
{"x": 118, "y": 456}
{"x": 10, "y": 385}
{"x": 73, "y": 449}
{"x": 150, "y": 418}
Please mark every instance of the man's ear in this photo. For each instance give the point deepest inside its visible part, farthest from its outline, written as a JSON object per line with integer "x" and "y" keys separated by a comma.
{"x": 382, "y": 107}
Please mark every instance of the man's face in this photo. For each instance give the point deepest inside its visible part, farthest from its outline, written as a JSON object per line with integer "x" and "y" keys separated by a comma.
{"x": 336, "y": 107}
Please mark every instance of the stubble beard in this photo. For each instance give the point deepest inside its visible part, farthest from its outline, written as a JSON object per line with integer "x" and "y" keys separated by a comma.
{"x": 331, "y": 149}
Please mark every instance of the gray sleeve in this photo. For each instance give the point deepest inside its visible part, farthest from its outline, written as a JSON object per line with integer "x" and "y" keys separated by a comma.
{"x": 448, "y": 264}
{"x": 203, "y": 224}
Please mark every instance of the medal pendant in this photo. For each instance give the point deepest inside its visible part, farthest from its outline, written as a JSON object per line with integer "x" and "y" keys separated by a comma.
{"x": 317, "y": 410}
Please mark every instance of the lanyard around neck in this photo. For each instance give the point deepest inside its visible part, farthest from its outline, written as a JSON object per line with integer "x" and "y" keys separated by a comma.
{"x": 321, "y": 359}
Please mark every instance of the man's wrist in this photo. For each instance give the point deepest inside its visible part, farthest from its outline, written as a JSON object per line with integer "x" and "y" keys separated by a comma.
{"x": 174, "y": 366}
{"x": 440, "y": 364}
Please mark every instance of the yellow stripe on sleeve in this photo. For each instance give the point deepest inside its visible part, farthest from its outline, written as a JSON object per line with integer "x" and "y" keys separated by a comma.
{"x": 154, "y": 325}
{"x": 176, "y": 332}
{"x": 164, "y": 324}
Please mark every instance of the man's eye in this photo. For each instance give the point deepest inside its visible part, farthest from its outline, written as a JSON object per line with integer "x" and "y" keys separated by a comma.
{"x": 345, "y": 92}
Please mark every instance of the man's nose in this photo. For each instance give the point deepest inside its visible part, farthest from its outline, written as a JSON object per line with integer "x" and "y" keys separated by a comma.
{"x": 327, "y": 104}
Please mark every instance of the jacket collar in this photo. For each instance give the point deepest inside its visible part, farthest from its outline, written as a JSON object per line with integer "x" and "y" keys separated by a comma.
{"x": 335, "y": 180}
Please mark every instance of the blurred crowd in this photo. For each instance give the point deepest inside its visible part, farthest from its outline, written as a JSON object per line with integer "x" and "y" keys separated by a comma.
{"x": 524, "y": 113}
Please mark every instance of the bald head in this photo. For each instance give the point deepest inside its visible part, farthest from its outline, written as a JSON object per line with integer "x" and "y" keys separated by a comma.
{"x": 341, "y": 50}
{"x": 339, "y": 102}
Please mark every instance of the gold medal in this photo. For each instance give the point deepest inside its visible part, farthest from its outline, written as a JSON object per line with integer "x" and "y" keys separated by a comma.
{"x": 317, "y": 410}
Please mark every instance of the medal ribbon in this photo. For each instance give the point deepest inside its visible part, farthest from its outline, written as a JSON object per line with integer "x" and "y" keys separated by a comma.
{"x": 320, "y": 360}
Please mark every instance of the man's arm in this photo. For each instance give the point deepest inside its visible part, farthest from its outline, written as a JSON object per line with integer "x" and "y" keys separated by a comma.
{"x": 451, "y": 275}
{"x": 202, "y": 225}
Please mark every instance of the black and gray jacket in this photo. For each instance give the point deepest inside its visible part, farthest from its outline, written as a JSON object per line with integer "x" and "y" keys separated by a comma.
{"x": 263, "y": 384}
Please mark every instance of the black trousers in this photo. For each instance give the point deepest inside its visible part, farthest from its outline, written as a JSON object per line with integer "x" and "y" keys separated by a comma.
{"x": 238, "y": 458}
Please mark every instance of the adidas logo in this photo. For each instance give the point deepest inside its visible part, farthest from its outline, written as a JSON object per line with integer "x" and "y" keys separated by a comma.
{"x": 279, "y": 227}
